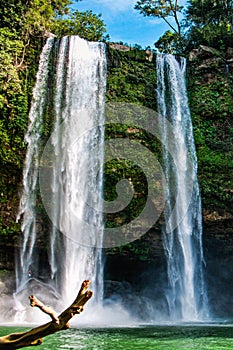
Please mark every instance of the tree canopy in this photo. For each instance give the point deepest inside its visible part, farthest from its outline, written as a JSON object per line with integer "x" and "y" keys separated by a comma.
{"x": 205, "y": 22}
{"x": 86, "y": 24}
{"x": 210, "y": 23}
{"x": 164, "y": 9}
{"x": 24, "y": 26}
{"x": 210, "y": 12}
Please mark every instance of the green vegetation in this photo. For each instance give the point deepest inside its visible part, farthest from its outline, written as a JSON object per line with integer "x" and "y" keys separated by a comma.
{"x": 85, "y": 24}
{"x": 210, "y": 79}
{"x": 115, "y": 171}
{"x": 211, "y": 102}
{"x": 210, "y": 23}
{"x": 131, "y": 78}
{"x": 139, "y": 249}
{"x": 162, "y": 9}
{"x": 205, "y": 22}
{"x": 23, "y": 31}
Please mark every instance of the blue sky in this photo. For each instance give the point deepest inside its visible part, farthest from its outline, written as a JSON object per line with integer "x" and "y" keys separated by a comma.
{"x": 126, "y": 24}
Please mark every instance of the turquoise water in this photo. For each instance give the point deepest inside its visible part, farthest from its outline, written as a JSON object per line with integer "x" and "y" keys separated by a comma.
{"x": 139, "y": 338}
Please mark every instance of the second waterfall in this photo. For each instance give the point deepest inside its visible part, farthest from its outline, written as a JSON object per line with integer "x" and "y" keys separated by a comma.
{"x": 182, "y": 233}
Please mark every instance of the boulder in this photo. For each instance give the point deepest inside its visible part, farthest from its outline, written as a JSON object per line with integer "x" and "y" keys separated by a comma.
{"x": 120, "y": 47}
{"x": 210, "y": 63}
{"x": 229, "y": 54}
{"x": 204, "y": 52}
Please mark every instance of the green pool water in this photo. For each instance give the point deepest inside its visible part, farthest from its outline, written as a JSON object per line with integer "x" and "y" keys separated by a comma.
{"x": 145, "y": 338}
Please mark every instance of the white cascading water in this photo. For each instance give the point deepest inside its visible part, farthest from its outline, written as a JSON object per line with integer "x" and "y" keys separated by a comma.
{"x": 182, "y": 234}
{"x": 31, "y": 170}
{"x": 70, "y": 169}
{"x": 70, "y": 88}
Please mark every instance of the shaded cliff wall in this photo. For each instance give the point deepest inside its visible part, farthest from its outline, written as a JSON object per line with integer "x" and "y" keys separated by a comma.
{"x": 210, "y": 86}
{"x": 132, "y": 78}
{"x": 210, "y": 89}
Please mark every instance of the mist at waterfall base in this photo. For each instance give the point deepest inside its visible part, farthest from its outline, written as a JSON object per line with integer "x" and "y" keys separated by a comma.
{"x": 71, "y": 84}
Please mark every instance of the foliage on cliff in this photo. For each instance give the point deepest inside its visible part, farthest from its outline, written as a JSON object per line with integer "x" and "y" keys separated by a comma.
{"x": 131, "y": 79}
{"x": 131, "y": 76}
{"x": 24, "y": 28}
{"x": 210, "y": 75}
{"x": 209, "y": 83}
{"x": 210, "y": 86}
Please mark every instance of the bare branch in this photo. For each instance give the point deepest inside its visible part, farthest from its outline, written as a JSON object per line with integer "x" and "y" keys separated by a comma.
{"x": 46, "y": 309}
{"x": 58, "y": 323}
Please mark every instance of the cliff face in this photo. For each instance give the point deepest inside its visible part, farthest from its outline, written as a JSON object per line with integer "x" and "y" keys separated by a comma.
{"x": 210, "y": 89}
{"x": 132, "y": 78}
{"x": 210, "y": 78}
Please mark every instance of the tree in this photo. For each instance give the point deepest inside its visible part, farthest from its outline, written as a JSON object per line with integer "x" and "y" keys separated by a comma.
{"x": 12, "y": 97}
{"x": 58, "y": 323}
{"x": 170, "y": 42}
{"x": 213, "y": 12}
{"x": 86, "y": 24}
{"x": 24, "y": 26}
{"x": 207, "y": 22}
{"x": 31, "y": 16}
{"x": 210, "y": 22}
{"x": 162, "y": 9}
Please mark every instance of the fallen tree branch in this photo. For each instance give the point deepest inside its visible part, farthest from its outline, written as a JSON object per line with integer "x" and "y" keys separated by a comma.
{"x": 46, "y": 309}
{"x": 34, "y": 336}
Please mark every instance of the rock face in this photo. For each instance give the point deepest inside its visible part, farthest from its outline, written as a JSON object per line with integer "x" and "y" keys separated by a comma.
{"x": 7, "y": 257}
{"x": 126, "y": 268}
{"x": 129, "y": 270}
{"x": 217, "y": 218}
{"x": 120, "y": 47}
{"x": 204, "y": 52}
{"x": 218, "y": 248}
{"x": 126, "y": 48}
{"x": 126, "y": 273}
{"x": 210, "y": 57}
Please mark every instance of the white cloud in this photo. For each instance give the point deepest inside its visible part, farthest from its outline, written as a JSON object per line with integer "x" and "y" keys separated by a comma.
{"x": 116, "y": 5}
{"x": 155, "y": 21}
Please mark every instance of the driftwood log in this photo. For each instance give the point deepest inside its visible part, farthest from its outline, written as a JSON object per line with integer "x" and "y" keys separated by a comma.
{"x": 34, "y": 336}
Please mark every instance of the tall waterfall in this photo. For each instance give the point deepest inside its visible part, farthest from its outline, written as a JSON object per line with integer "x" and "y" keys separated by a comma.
{"x": 68, "y": 100}
{"x": 182, "y": 233}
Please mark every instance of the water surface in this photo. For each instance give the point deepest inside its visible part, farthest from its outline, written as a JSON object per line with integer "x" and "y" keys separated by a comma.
{"x": 140, "y": 338}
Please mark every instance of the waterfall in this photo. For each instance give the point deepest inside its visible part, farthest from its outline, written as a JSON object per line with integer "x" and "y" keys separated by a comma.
{"x": 61, "y": 203}
{"x": 68, "y": 100}
{"x": 31, "y": 169}
{"x": 182, "y": 233}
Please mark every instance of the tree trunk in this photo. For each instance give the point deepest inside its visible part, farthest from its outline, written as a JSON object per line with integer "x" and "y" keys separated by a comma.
{"x": 58, "y": 323}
